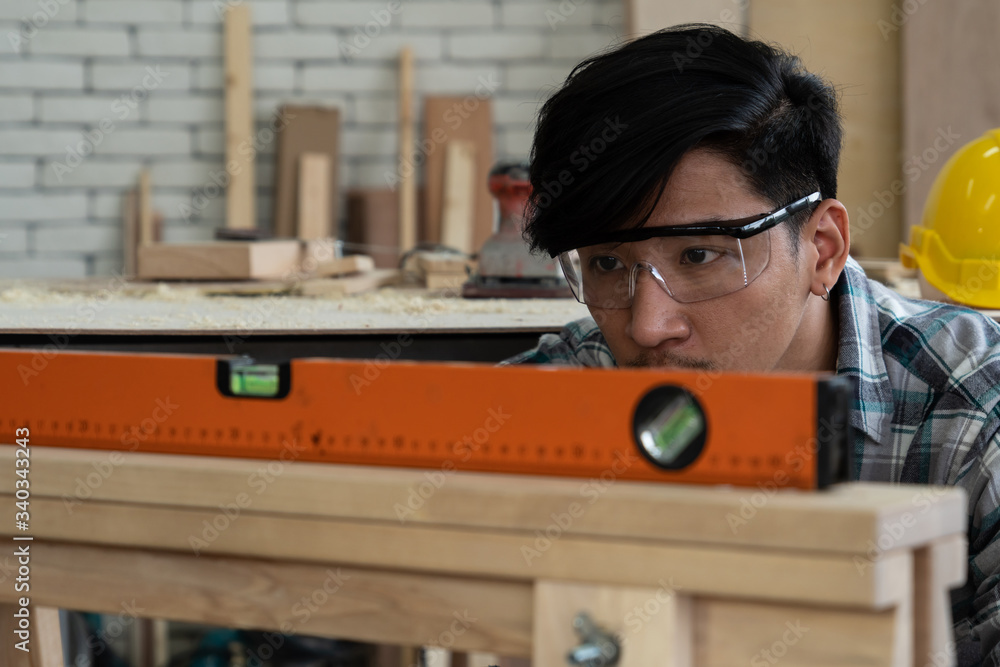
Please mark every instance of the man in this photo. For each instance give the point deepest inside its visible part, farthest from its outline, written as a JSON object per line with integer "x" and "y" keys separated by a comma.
{"x": 690, "y": 195}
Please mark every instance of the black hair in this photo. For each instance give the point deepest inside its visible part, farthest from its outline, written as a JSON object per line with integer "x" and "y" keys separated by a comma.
{"x": 607, "y": 141}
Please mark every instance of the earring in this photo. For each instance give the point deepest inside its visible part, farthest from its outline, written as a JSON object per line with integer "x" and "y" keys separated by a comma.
{"x": 827, "y": 297}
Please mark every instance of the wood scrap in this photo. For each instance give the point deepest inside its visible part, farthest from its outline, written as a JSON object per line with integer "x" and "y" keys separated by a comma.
{"x": 442, "y": 262}
{"x": 373, "y": 224}
{"x": 241, "y": 210}
{"x": 220, "y": 260}
{"x": 333, "y": 288}
{"x": 306, "y": 129}
{"x": 446, "y": 119}
{"x": 440, "y": 270}
{"x": 130, "y": 232}
{"x": 314, "y": 196}
{"x": 145, "y": 208}
{"x": 445, "y": 280}
{"x": 408, "y": 180}
{"x": 339, "y": 266}
{"x": 458, "y": 209}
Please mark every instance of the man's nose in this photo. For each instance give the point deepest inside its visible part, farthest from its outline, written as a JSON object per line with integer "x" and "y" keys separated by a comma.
{"x": 656, "y": 317}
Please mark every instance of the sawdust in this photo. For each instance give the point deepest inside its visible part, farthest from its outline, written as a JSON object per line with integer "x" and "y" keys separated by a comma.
{"x": 35, "y": 296}
{"x": 165, "y": 292}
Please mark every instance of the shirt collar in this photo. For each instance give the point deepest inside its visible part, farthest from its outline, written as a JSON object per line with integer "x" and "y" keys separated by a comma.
{"x": 859, "y": 352}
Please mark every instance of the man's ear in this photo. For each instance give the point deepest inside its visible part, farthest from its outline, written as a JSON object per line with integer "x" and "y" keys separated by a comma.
{"x": 829, "y": 232}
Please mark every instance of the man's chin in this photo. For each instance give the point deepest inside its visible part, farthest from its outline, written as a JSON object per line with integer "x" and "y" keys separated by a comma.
{"x": 666, "y": 360}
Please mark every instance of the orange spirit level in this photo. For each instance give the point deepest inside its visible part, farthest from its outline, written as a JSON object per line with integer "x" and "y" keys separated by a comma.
{"x": 643, "y": 424}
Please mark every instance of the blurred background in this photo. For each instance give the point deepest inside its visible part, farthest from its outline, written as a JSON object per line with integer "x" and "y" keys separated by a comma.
{"x": 91, "y": 91}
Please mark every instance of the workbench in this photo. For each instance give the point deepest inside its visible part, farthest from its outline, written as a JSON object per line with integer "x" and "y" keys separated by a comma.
{"x": 857, "y": 575}
{"x": 114, "y": 315}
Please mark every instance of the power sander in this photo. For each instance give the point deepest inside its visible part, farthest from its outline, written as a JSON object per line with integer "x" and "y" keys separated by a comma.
{"x": 507, "y": 268}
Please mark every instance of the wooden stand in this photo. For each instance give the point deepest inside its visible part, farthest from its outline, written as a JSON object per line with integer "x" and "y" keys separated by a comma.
{"x": 499, "y": 563}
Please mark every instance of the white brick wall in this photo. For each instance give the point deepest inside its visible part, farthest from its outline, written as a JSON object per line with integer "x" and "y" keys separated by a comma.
{"x": 82, "y": 76}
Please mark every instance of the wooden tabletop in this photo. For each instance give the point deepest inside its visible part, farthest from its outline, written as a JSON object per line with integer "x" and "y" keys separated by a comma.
{"x": 107, "y": 306}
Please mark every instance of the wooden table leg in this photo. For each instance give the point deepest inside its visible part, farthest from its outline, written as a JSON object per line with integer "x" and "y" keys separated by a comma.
{"x": 44, "y": 641}
{"x": 653, "y": 625}
{"x": 937, "y": 568}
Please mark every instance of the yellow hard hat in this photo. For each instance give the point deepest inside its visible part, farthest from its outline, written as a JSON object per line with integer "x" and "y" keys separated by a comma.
{"x": 957, "y": 246}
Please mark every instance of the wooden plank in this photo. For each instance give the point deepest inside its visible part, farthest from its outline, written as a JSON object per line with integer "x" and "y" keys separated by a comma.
{"x": 307, "y": 129}
{"x": 407, "y": 175}
{"x": 476, "y": 125}
{"x": 459, "y": 195}
{"x": 868, "y": 74}
{"x": 314, "y": 219}
{"x": 445, "y": 280}
{"x": 336, "y": 288}
{"x": 220, "y": 260}
{"x": 938, "y": 567}
{"x": 44, "y": 645}
{"x": 802, "y": 576}
{"x": 646, "y": 16}
{"x": 130, "y": 232}
{"x": 442, "y": 262}
{"x": 944, "y": 91}
{"x": 145, "y": 209}
{"x": 342, "y": 602}
{"x": 665, "y": 638}
{"x": 731, "y": 632}
{"x": 848, "y": 518}
{"x": 340, "y": 266}
{"x": 241, "y": 211}
{"x": 373, "y": 224}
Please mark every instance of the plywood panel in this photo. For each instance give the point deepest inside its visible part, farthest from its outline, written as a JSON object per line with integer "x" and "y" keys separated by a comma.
{"x": 951, "y": 87}
{"x": 846, "y": 47}
{"x": 304, "y": 129}
{"x": 470, "y": 119}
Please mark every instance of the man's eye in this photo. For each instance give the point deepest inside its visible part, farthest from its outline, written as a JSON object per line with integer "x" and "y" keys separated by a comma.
{"x": 698, "y": 256}
{"x": 607, "y": 263}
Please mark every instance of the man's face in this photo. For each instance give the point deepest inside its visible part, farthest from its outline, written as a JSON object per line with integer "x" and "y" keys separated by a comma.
{"x": 751, "y": 329}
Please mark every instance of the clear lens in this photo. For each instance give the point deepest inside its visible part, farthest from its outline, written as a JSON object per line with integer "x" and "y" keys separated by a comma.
{"x": 688, "y": 268}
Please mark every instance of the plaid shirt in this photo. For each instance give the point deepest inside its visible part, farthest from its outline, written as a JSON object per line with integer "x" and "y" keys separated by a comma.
{"x": 927, "y": 388}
